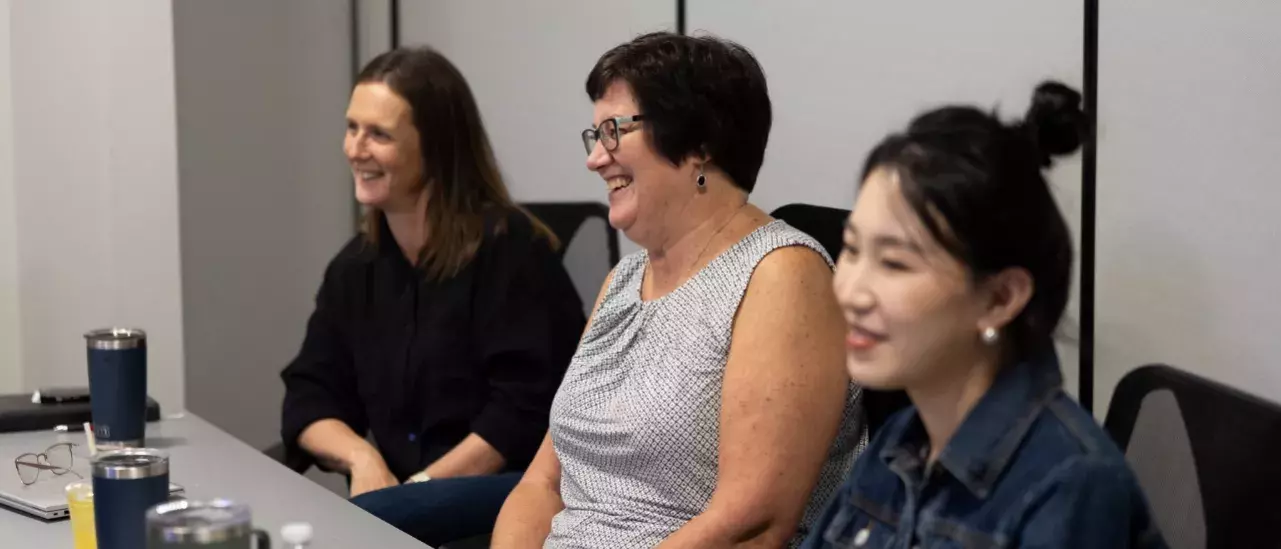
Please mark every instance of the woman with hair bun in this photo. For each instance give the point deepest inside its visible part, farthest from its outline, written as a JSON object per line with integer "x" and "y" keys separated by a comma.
{"x": 956, "y": 270}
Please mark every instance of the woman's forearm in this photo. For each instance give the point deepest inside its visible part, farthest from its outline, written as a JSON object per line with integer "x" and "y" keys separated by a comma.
{"x": 336, "y": 446}
{"x": 526, "y": 518}
{"x": 713, "y": 530}
{"x": 471, "y": 457}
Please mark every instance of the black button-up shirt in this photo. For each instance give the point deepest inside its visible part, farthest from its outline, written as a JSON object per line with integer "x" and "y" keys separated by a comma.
{"x": 421, "y": 364}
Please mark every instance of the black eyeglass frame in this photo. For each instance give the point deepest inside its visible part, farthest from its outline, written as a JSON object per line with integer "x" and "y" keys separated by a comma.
{"x": 40, "y": 462}
{"x": 610, "y": 127}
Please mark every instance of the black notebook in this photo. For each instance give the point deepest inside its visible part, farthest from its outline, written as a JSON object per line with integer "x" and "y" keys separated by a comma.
{"x": 18, "y": 413}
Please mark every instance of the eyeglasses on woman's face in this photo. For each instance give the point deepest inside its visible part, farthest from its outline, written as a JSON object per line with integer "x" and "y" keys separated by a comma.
{"x": 608, "y": 132}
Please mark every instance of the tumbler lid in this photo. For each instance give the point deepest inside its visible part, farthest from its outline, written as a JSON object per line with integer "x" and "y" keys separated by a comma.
{"x": 130, "y": 463}
{"x": 199, "y": 522}
{"x": 114, "y": 339}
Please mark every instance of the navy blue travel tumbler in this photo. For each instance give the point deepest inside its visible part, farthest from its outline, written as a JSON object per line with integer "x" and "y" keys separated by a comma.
{"x": 118, "y": 386}
{"x": 126, "y": 483}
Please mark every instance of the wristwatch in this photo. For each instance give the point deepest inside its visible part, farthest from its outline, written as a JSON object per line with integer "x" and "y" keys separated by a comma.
{"x": 420, "y": 477}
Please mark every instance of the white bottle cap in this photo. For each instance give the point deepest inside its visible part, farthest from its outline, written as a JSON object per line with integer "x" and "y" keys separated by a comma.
{"x": 296, "y": 533}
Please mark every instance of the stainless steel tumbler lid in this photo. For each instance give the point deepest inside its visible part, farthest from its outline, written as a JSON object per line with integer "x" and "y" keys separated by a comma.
{"x": 130, "y": 463}
{"x": 199, "y": 522}
{"x": 114, "y": 339}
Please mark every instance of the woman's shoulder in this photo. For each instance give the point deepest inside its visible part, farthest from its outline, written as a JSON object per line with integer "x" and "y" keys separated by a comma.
{"x": 515, "y": 245}
{"x": 775, "y": 247}
{"x": 779, "y": 255}
{"x": 621, "y": 286}
{"x": 630, "y": 265}
{"x": 347, "y": 270}
{"x": 1083, "y": 479}
{"x": 1074, "y": 431}
{"x": 357, "y": 252}
{"x": 1067, "y": 450}
{"x": 513, "y": 228}
{"x": 782, "y": 235}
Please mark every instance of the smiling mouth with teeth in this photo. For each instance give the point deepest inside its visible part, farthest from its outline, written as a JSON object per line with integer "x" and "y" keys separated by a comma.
{"x": 366, "y": 175}
{"x": 620, "y": 182}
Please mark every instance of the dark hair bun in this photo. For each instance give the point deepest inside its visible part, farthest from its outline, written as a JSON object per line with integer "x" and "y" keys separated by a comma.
{"x": 1055, "y": 121}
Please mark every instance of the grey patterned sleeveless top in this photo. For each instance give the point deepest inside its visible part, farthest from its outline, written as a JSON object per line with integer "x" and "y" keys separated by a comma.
{"x": 637, "y": 420}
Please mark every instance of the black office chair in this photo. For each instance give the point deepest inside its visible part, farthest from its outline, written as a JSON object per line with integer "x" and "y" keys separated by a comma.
{"x": 827, "y": 226}
{"x": 1205, "y": 454}
{"x": 588, "y": 255}
{"x": 564, "y": 219}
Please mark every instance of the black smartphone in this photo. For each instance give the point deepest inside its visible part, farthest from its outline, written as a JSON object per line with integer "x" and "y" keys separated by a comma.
{"x": 63, "y": 395}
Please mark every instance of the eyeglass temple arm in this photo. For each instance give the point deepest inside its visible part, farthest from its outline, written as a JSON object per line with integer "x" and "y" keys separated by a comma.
{"x": 41, "y": 466}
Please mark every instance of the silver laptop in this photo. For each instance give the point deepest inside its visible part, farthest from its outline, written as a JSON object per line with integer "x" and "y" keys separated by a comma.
{"x": 46, "y": 498}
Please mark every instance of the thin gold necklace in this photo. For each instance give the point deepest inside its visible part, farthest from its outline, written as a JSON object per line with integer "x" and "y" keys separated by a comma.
{"x": 690, "y": 271}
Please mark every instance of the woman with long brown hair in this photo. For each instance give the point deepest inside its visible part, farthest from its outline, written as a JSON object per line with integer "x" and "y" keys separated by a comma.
{"x": 444, "y": 328}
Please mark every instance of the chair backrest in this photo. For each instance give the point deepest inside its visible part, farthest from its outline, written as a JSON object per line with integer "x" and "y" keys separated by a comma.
{"x": 589, "y": 245}
{"x": 1205, "y": 454}
{"x": 827, "y": 226}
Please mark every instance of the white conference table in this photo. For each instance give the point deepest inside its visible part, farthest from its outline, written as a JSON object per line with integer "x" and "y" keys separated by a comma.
{"x": 209, "y": 463}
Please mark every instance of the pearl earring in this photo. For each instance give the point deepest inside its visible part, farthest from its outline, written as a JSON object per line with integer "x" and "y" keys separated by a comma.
{"x": 990, "y": 335}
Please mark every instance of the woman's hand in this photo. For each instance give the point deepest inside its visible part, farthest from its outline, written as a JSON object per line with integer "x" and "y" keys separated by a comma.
{"x": 370, "y": 473}
{"x": 339, "y": 448}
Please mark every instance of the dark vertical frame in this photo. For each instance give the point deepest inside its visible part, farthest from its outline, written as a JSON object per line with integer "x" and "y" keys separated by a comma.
{"x": 680, "y": 16}
{"x": 395, "y": 24}
{"x": 394, "y": 34}
{"x": 1089, "y": 171}
{"x": 354, "y": 21}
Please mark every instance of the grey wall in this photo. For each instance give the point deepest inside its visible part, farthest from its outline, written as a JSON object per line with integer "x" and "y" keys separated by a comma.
{"x": 373, "y": 33}
{"x": 95, "y": 183}
{"x": 90, "y": 194}
{"x": 1187, "y": 190}
{"x": 841, "y": 74}
{"x": 526, "y": 63}
{"x": 10, "y": 337}
{"x": 266, "y": 196}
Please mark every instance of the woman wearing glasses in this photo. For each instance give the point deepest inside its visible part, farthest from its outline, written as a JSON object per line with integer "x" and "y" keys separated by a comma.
{"x": 703, "y": 405}
{"x": 444, "y": 328}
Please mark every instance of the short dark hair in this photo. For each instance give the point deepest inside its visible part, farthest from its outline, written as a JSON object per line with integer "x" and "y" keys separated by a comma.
{"x": 699, "y": 94}
{"x": 976, "y": 184}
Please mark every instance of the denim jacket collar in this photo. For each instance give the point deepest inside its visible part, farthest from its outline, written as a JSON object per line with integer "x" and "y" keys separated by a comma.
{"x": 987, "y": 438}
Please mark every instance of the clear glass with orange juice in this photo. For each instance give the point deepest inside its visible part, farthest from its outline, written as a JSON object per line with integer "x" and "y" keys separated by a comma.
{"x": 80, "y": 504}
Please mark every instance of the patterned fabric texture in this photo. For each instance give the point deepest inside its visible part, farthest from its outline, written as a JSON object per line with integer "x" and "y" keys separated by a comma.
{"x": 637, "y": 420}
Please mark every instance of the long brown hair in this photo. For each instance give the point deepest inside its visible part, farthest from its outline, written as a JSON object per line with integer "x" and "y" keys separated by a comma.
{"x": 459, "y": 169}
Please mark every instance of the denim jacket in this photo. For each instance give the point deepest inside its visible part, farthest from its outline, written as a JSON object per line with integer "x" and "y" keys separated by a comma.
{"x": 1026, "y": 468}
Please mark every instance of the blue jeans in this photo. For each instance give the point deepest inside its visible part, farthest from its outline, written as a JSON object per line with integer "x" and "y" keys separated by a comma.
{"x": 440, "y": 511}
